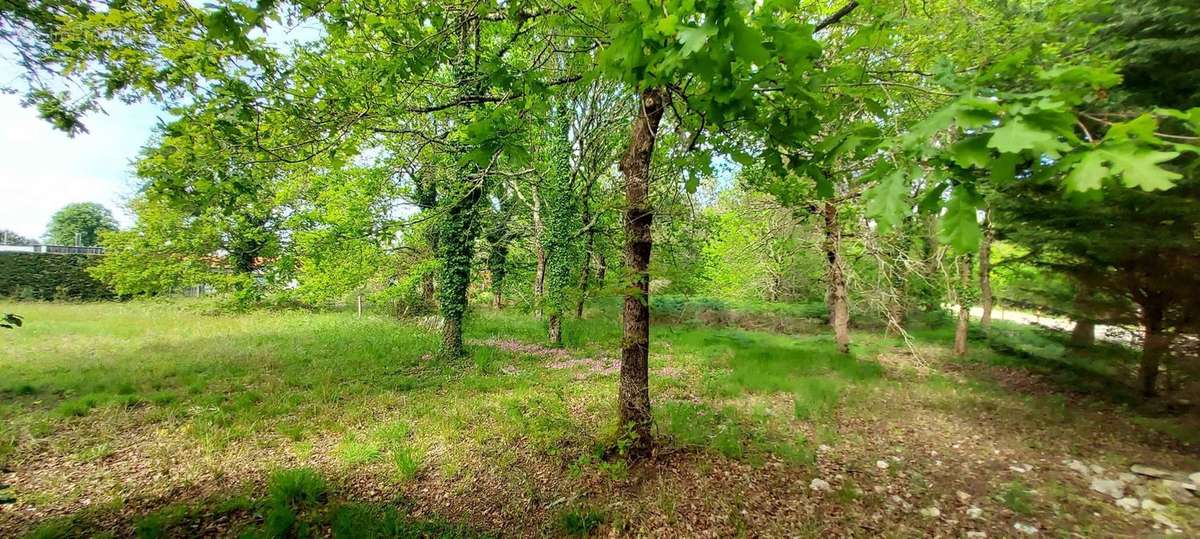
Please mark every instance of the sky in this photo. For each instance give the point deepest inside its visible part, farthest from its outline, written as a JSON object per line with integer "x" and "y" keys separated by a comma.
{"x": 42, "y": 169}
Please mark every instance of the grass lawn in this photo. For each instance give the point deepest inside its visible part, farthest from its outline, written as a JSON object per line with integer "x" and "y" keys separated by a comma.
{"x": 152, "y": 419}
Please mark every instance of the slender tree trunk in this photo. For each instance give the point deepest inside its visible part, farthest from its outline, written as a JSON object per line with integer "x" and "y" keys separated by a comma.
{"x": 1155, "y": 346}
{"x": 985, "y": 272}
{"x": 634, "y": 389}
{"x": 585, "y": 273}
{"x": 835, "y": 297}
{"x": 539, "y": 250}
{"x": 964, "y": 308}
{"x": 554, "y": 329}
{"x": 1083, "y": 334}
{"x": 584, "y": 278}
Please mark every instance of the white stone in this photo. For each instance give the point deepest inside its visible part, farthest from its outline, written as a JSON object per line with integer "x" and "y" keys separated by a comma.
{"x": 1021, "y": 468}
{"x": 1150, "y": 471}
{"x": 1097, "y": 469}
{"x": 1128, "y": 504}
{"x": 931, "y": 512}
{"x": 1127, "y": 477}
{"x": 974, "y": 513}
{"x": 819, "y": 485}
{"x": 822, "y": 448}
{"x": 879, "y": 489}
{"x": 1162, "y": 519}
{"x": 962, "y": 496}
{"x": 1025, "y": 528}
{"x": 1078, "y": 467}
{"x": 1195, "y": 478}
{"x": 1151, "y": 505}
{"x": 1113, "y": 488}
{"x": 976, "y": 535}
{"x": 881, "y": 464}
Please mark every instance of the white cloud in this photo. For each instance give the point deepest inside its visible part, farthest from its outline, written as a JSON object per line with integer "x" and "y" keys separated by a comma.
{"x": 42, "y": 169}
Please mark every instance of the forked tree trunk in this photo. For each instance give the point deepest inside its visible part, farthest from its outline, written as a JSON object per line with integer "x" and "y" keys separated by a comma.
{"x": 1155, "y": 346}
{"x": 835, "y": 297}
{"x": 634, "y": 389}
{"x": 985, "y": 273}
{"x": 964, "y": 309}
{"x": 1083, "y": 334}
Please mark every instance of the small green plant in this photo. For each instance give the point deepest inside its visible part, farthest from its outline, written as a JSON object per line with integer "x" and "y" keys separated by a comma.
{"x": 407, "y": 463}
{"x": 580, "y": 522}
{"x": 1017, "y": 497}
{"x": 296, "y": 487}
{"x": 354, "y": 453}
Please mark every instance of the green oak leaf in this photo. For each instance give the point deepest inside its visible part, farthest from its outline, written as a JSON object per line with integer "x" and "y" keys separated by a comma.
{"x": 1017, "y": 135}
{"x": 1139, "y": 167}
{"x": 693, "y": 39}
{"x": 886, "y": 201}
{"x": 972, "y": 152}
{"x": 1088, "y": 173}
{"x": 960, "y": 225}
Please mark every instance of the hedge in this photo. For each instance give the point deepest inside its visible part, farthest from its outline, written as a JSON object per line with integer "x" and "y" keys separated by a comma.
{"x": 46, "y": 276}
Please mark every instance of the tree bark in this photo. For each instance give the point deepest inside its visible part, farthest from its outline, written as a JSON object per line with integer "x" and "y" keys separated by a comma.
{"x": 964, "y": 309}
{"x": 585, "y": 273}
{"x": 539, "y": 250}
{"x": 835, "y": 297}
{"x": 985, "y": 272}
{"x": 634, "y": 388}
{"x": 1155, "y": 346}
{"x": 1083, "y": 334}
{"x": 554, "y": 330}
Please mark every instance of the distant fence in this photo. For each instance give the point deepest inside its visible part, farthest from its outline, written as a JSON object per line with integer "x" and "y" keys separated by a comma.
{"x": 52, "y": 249}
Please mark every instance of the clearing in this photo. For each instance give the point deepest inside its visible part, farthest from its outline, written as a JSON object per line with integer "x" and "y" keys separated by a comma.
{"x": 153, "y": 419}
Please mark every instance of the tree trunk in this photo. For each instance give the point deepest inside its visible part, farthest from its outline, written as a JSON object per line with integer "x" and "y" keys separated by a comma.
{"x": 1084, "y": 334}
{"x": 539, "y": 250}
{"x": 985, "y": 272}
{"x": 964, "y": 309}
{"x": 835, "y": 297}
{"x": 1155, "y": 346}
{"x": 497, "y": 302}
{"x": 634, "y": 389}
{"x": 554, "y": 322}
{"x": 584, "y": 277}
{"x": 585, "y": 272}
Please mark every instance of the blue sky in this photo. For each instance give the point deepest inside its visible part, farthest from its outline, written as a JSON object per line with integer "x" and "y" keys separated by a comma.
{"x": 42, "y": 169}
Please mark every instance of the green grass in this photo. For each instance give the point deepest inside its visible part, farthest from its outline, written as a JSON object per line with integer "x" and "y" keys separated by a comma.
{"x": 364, "y": 397}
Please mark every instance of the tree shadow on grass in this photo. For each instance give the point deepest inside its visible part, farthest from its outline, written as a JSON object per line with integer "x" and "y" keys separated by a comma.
{"x": 295, "y": 503}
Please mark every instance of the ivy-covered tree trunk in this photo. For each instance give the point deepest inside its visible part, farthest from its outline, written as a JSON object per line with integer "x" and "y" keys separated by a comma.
{"x": 985, "y": 272}
{"x": 457, "y": 246}
{"x": 561, "y": 218}
{"x": 964, "y": 306}
{"x": 835, "y": 297}
{"x": 634, "y": 384}
{"x": 459, "y": 225}
{"x": 1156, "y": 344}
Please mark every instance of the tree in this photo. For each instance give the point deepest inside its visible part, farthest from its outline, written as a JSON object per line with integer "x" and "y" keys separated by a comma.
{"x": 8, "y": 237}
{"x": 1145, "y": 261}
{"x": 562, "y": 224}
{"x": 79, "y": 223}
